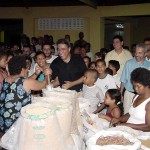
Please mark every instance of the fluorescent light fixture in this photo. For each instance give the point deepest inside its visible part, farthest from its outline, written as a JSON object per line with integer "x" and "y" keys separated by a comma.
{"x": 120, "y": 26}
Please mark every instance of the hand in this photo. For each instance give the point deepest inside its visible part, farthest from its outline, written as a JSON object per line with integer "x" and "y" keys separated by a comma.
{"x": 67, "y": 85}
{"x": 114, "y": 121}
{"x": 38, "y": 70}
{"x": 47, "y": 71}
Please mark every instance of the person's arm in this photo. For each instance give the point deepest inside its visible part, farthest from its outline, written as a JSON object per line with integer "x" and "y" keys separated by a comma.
{"x": 121, "y": 119}
{"x": 32, "y": 84}
{"x": 104, "y": 117}
{"x": 69, "y": 84}
{"x": 116, "y": 112}
{"x": 1, "y": 81}
{"x": 143, "y": 127}
{"x": 55, "y": 83}
{"x": 121, "y": 87}
{"x": 101, "y": 107}
{"x": 37, "y": 72}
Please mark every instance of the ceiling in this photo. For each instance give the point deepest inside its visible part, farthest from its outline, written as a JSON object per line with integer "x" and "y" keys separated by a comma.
{"x": 43, "y": 3}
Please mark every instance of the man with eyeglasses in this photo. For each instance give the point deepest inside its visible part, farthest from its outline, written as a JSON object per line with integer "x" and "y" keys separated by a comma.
{"x": 68, "y": 70}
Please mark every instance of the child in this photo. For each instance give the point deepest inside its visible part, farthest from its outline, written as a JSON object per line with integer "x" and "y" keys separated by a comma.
{"x": 115, "y": 107}
{"x": 104, "y": 81}
{"x": 90, "y": 91}
{"x": 115, "y": 66}
{"x": 29, "y": 65}
{"x": 92, "y": 65}
{"x": 3, "y": 63}
{"x": 87, "y": 61}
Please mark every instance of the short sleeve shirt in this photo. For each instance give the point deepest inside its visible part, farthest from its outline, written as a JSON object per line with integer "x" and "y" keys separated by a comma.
{"x": 71, "y": 71}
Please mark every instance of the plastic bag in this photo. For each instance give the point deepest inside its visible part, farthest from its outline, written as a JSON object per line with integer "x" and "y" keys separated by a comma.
{"x": 92, "y": 124}
{"x": 91, "y": 143}
{"x": 84, "y": 104}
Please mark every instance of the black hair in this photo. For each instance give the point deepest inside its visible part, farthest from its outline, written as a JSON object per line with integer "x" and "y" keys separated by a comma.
{"x": 16, "y": 64}
{"x": 26, "y": 46}
{"x": 93, "y": 62}
{"x": 87, "y": 58}
{"x": 142, "y": 76}
{"x": 2, "y": 53}
{"x": 118, "y": 37}
{"x": 35, "y": 39}
{"x": 115, "y": 64}
{"x": 147, "y": 39}
{"x": 109, "y": 71}
{"x": 101, "y": 55}
{"x": 10, "y": 53}
{"x": 39, "y": 53}
{"x": 63, "y": 41}
{"x": 116, "y": 95}
{"x": 46, "y": 43}
{"x": 100, "y": 60}
{"x": 27, "y": 57}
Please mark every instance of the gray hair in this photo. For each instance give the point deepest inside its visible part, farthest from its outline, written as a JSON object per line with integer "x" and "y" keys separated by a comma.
{"x": 142, "y": 45}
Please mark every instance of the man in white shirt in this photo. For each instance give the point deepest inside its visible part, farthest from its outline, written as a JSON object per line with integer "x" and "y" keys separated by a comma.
{"x": 46, "y": 48}
{"x": 118, "y": 53}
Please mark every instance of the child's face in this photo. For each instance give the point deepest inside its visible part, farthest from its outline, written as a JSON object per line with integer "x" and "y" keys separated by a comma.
{"x": 86, "y": 61}
{"x": 3, "y": 61}
{"x": 92, "y": 66}
{"x": 108, "y": 100}
{"x": 88, "y": 79}
{"x": 100, "y": 67}
{"x": 28, "y": 64}
{"x": 41, "y": 60}
{"x": 112, "y": 68}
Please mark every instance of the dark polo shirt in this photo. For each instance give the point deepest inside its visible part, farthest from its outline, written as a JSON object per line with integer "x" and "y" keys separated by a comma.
{"x": 71, "y": 71}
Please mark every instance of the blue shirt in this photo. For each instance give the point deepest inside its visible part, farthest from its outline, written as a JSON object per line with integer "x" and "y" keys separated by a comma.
{"x": 130, "y": 65}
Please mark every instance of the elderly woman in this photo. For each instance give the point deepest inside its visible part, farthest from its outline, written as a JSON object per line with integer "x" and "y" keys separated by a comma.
{"x": 16, "y": 89}
{"x": 138, "y": 117}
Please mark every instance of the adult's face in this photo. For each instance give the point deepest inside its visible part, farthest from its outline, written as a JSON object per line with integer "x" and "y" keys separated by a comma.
{"x": 148, "y": 49}
{"x": 26, "y": 51}
{"x": 64, "y": 52}
{"x": 139, "y": 54}
{"x": 47, "y": 50}
{"x": 117, "y": 44}
{"x": 148, "y": 44}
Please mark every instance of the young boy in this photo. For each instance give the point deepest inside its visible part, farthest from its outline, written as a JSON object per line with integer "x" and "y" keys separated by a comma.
{"x": 115, "y": 66}
{"x": 91, "y": 91}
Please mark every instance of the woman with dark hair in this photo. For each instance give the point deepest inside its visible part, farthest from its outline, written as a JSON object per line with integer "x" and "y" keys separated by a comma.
{"x": 16, "y": 89}
{"x": 139, "y": 112}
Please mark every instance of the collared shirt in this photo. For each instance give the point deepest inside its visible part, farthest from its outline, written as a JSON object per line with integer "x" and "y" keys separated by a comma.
{"x": 128, "y": 68}
{"x": 124, "y": 56}
{"x": 71, "y": 71}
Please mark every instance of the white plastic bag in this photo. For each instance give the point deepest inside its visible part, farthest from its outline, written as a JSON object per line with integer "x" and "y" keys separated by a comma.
{"x": 84, "y": 104}
{"x": 92, "y": 124}
{"x": 91, "y": 143}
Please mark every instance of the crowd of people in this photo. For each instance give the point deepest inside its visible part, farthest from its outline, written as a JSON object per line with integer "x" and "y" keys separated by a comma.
{"x": 115, "y": 82}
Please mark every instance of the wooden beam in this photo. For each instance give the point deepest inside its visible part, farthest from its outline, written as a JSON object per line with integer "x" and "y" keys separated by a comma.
{"x": 91, "y": 3}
